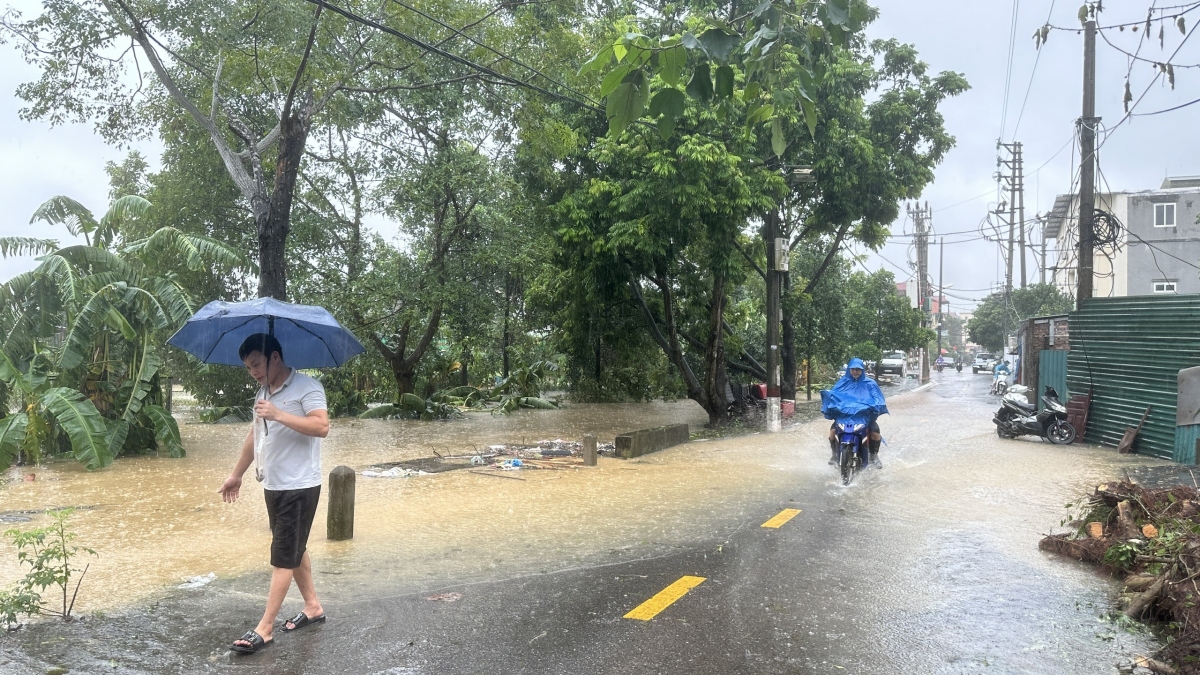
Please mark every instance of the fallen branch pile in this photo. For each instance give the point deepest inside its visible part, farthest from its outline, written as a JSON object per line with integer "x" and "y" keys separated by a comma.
{"x": 1151, "y": 537}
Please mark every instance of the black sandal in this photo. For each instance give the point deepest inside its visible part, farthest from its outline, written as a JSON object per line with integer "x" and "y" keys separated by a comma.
{"x": 300, "y": 621}
{"x": 256, "y": 643}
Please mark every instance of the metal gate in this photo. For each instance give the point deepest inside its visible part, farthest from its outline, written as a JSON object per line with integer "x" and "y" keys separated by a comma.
{"x": 1129, "y": 351}
{"x": 1052, "y": 372}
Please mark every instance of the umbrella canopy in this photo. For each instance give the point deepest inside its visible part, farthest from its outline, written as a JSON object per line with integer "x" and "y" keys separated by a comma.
{"x": 310, "y": 336}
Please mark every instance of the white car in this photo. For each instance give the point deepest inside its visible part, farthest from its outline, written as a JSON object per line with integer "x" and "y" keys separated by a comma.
{"x": 983, "y": 361}
{"x": 893, "y": 362}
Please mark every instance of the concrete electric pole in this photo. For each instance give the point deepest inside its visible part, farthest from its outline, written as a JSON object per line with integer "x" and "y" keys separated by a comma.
{"x": 921, "y": 217}
{"x": 1015, "y": 163}
{"x": 1087, "y": 169}
{"x": 776, "y": 262}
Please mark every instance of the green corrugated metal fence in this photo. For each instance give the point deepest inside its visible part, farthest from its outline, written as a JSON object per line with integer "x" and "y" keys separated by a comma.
{"x": 1129, "y": 351}
{"x": 1052, "y": 372}
{"x": 1185, "y": 443}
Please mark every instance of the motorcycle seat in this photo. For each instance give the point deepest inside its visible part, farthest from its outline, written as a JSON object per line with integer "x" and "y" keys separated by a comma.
{"x": 1029, "y": 407}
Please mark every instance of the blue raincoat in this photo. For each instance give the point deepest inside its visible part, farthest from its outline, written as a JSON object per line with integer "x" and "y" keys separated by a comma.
{"x": 852, "y": 400}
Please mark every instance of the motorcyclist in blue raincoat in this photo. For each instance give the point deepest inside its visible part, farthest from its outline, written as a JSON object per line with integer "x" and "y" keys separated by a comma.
{"x": 855, "y": 395}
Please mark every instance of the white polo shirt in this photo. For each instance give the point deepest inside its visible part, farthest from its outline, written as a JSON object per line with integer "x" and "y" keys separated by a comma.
{"x": 288, "y": 459}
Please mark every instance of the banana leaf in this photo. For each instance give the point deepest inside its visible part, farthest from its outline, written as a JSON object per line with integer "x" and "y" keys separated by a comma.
{"x": 142, "y": 379}
{"x": 166, "y": 430}
{"x": 412, "y": 402}
{"x": 85, "y": 427}
{"x": 12, "y": 437}
{"x": 382, "y": 412}
{"x": 539, "y": 403}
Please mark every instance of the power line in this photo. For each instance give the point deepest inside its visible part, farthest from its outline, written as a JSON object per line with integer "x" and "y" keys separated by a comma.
{"x": 1032, "y": 73}
{"x": 1012, "y": 46}
{"x": 448, "y": 55}
{"x": 502, "y": 55}
{"x": 1159, "y": 112}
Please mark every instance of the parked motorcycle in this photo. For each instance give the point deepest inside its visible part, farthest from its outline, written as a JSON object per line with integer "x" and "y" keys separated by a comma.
{"x": 1016, "y": 417}
{"x": 853, "y": 450}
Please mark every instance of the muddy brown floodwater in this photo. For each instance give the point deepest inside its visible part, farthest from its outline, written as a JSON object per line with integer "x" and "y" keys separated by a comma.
{"x": 154, "y": 522}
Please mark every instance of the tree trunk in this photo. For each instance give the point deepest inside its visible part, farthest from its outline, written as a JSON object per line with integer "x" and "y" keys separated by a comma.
{"x": 401, "y": 361}
{"x": 506, "y": 338}
{"x": 787, "y": 346}
{"x": 463, "y": 378}
{"x": 275, "y": 224}
{"x": 715, "y": 375}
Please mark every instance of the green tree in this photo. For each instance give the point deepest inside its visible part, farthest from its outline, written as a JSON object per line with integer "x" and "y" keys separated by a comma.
{"x": 998, "y": 316}
{"x": 82, "y": 352}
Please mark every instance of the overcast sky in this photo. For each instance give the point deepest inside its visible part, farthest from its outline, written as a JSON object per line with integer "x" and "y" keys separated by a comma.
{"x": 967, "y": 36}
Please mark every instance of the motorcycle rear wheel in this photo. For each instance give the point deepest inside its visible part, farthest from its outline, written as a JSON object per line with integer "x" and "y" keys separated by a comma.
{"x": 1004, "y": 434}
{"x": 1061, "y": 432}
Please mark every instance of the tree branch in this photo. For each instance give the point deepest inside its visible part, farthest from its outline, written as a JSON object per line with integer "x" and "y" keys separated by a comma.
{"x": 312, "y": 37}
{"x": 837, "y": 243}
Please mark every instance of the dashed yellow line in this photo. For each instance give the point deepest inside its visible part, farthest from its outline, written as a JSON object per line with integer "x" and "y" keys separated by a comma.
{"x": 650, "y": 608}
{"x": 781, "y": 518}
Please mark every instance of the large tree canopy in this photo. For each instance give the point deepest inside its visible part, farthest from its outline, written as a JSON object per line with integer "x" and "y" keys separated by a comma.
{"x": 998, "y": 315}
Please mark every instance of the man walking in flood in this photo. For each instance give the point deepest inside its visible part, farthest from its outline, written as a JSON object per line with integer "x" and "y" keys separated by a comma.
{"x": 284, "y": 443}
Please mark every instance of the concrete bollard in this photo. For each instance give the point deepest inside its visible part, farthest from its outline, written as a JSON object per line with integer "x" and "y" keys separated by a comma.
{"x": 340, "y": 522}
{"x": 589, "y": 450}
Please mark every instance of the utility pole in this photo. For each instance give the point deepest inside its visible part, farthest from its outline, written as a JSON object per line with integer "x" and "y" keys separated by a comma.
{"x": 1019, "y": 170}
{"x": 1087, "y": 170}
{"x": 774, "y": 318}
{"x": 921, "y": 217}
{"x": 1015, "y": 163}
{"x": 941, "y": 313}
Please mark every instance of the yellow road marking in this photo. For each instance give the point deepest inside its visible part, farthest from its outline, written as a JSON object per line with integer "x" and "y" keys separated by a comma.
{"x": 650, "y": 608}
{"x": 781, "y": 518}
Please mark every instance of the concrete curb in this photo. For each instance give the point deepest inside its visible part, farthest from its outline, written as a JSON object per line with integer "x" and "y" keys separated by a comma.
{"x": 925, "y": 387}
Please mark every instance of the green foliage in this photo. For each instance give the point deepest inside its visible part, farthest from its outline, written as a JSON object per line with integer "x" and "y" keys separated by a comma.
{"x": 82, "y": 352}
{"x": 48, "y": 553}
{"x": 770, "y": 59}
{"x": 1122, "y": 555}
{"x": 998, "y": 316}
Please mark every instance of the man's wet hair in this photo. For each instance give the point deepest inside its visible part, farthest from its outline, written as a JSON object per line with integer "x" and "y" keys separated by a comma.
{"x": 260, "y": 342}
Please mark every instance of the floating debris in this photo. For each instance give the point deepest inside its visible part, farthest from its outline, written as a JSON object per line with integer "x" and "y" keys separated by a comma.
{"x": 394, "y": 472}
{"x": 445, "y": 597}
{"x": 200, "y": 581}
{"x": 1151, "y": 538}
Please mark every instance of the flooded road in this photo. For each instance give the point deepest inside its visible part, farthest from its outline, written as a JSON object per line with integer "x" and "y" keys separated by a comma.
{"x": 930, "y": 565}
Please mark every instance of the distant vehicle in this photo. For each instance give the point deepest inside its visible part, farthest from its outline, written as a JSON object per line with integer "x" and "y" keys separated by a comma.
{"x": 983, "y": 361}
{"x": 893, "y": 362}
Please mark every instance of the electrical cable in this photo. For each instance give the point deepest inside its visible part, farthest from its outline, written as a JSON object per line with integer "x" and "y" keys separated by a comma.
{"x": 1012, "y": 47}
{"x": 495, "y": 51}
{"x": 1167, "y": 110}
{"x": 1109, "y": 132}
{"x": 417, "y": 42}
{"x": 1032, "y": 73}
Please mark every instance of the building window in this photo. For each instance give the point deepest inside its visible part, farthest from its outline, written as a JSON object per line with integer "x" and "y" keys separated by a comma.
{"x": 1164, "y": 215}
{"x": 1164, "y": 287}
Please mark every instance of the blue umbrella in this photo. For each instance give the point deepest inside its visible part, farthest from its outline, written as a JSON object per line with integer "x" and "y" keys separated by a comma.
{"x": 310, "y": 336}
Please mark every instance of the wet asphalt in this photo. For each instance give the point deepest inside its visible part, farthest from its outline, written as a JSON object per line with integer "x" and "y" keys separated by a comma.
{"x": 927, "y": 566}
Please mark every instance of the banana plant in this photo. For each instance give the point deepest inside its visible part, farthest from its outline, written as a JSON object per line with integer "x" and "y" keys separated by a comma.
{"x": 80, "y": 351}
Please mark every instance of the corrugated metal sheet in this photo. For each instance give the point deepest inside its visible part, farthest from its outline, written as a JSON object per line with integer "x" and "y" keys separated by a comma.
{"x": 1129, "y": 351}
{"x": 1052, "y": 372}
{"x": 1185, "y": 443}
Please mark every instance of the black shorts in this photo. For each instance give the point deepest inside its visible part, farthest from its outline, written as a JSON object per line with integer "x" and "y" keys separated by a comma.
{"x": 874, "y": 427}
{"x": 291, "y": 514}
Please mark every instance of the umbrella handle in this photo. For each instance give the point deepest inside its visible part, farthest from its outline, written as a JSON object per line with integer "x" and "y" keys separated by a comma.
{"x": 266, "y": 432}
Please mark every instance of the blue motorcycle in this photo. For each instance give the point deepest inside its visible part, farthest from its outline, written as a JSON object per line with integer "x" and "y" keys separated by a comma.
{"x": 853, "y": 450}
